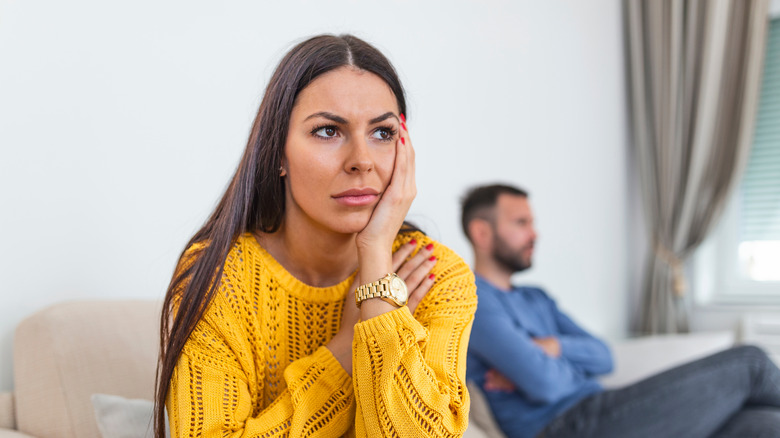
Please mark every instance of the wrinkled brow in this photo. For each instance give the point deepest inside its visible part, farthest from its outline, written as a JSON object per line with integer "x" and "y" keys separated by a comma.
{"x": 343, "y": 121}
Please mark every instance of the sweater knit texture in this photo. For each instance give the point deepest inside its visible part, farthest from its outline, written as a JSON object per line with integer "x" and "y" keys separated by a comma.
{"x": 256, "y": 364}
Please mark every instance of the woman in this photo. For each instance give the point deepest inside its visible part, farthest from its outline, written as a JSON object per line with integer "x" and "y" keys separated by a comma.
{"x": 307, "y": 330}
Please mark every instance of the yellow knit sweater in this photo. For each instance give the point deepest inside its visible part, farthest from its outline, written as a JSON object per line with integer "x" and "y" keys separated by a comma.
{"x": 256, "y": 364}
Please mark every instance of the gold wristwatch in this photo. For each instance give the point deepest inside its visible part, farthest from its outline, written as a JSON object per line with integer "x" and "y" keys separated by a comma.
{"x": 390, "y": 288}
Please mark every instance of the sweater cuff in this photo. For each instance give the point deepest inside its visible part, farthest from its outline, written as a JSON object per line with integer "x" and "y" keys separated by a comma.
{"x": 390, "y": 322}
{"x": 335, "y": 371}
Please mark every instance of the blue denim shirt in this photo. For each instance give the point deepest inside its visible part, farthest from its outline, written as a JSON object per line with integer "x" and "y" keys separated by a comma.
{"x": 502, "y": 339}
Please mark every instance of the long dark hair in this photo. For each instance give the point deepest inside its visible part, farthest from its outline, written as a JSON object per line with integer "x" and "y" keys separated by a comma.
{"x": 255, "y": 197}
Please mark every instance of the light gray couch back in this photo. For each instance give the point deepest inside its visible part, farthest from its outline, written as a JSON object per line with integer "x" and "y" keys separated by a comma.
{"x": 69, "y": 351}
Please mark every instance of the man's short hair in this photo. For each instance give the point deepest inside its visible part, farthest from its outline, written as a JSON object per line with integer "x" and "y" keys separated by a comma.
{"x": 481, "y": 199}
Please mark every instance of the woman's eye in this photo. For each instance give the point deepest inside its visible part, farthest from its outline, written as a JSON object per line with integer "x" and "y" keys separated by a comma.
{"x": 383, "y": 134}
{"x": 327, "y": 132}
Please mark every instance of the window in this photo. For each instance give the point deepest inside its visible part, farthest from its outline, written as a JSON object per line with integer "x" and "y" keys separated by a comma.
{"x": 759, "y": 237}
{"x": 741, "y": 261}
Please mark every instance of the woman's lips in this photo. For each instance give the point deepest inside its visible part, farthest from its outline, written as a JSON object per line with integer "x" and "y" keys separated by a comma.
{"x": 357, "y": 197}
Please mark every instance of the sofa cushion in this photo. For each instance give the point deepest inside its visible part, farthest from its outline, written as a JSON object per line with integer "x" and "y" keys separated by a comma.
{"x": 119, "y": 417}
{"x": 69, "y": 351}
{"x": 638, "y": 358}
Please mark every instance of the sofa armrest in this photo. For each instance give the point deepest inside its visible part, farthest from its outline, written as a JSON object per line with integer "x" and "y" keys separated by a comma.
{"x": 7, "y": 413}
{"x": 482, "y": 424}
{"x": 8, "y": 433}
{"x": 638, "y": 358}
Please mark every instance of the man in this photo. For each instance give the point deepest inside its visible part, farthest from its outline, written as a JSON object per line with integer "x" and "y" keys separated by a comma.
{"x": 538, "y": 368}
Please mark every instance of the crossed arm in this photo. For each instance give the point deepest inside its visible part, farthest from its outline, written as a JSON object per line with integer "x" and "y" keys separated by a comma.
{"x": 542, "y": 368}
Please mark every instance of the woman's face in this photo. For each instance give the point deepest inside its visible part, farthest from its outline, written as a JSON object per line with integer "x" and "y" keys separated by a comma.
{"x": 340, "y": 150}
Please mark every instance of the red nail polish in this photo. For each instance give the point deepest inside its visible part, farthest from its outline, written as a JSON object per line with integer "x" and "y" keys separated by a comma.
{"x": 432, "y": 258}
{"x": 403, "y": 125}
{"x": 403, "y": 119}
{"x": 432, "y": 276}
{"x": 403, "y": 141}
{"x": 413, "y": 242}
{"x": 429, "y": 246}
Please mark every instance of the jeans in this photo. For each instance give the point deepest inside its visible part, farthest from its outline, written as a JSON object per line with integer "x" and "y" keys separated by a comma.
{"x": 734, "y": 393}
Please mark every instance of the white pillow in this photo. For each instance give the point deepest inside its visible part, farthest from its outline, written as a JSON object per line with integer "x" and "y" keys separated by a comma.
{"x": 119, "y": 417}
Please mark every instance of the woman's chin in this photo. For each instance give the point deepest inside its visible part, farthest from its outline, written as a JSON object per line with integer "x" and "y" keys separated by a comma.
{"x": 351, "y": 225}
{"x": 351, "y": 229}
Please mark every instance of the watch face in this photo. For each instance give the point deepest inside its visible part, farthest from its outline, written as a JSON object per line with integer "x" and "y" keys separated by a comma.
{"x": 398, "y": 288}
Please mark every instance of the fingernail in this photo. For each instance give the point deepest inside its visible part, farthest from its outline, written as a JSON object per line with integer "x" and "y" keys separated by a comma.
{"x": 429, "y": 246}
{"x": 403, "y": 141}
{"x": 403, "y": 119}
{"x": 432, "y": 276}
{"x": 413, "y": 242}
{"x": 403, "y": 125}
{"x": 432, "y": 258}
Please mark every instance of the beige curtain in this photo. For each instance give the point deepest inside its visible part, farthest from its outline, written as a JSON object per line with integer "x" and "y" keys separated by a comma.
{"x": 694, "y": 73}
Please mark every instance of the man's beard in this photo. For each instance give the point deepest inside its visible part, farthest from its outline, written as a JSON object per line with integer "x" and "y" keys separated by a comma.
{"x": 510, "y": 260}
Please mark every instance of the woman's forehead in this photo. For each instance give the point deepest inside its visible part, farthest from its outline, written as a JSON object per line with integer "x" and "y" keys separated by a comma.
{"x": 348, "y": 92}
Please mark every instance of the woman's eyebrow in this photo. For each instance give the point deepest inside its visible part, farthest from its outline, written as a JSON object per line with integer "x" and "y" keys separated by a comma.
{"x": 384, "y": 116}
{"x": 343, "y": 121}
{"x": 329, "y": 116}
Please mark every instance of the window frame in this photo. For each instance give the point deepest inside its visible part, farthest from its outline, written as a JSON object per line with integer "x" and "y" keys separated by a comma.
{"x": 714, "y": 267}
{"x": 716, "y": 275}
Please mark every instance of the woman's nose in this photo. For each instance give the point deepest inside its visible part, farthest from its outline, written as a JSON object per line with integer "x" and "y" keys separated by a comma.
{"x": 359, "y": 159}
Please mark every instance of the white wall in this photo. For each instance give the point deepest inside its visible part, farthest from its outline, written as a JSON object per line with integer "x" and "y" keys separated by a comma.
{"x": 120, "y": 123}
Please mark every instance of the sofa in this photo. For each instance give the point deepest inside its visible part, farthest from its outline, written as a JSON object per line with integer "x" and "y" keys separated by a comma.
{"x": 634, "y": 359}
{"x": 66, "y": 353}
{"x": 86, "y": 369}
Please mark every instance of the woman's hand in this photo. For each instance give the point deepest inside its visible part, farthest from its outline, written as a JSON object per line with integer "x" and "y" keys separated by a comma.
{"x": 375, "y": 241}
{"x": 416, "y": 273}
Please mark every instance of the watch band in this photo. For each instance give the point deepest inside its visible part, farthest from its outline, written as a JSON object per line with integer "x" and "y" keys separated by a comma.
{"x": 376, "y": 289}
{"x": 390, "y": 288}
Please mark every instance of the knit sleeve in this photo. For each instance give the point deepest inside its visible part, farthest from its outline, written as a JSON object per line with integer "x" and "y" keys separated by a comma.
{"x": 409, "y": 371}
{"x": 217, "y": 382}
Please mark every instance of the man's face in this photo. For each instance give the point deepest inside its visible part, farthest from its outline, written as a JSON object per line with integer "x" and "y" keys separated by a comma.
{"x": 513, "y": 233}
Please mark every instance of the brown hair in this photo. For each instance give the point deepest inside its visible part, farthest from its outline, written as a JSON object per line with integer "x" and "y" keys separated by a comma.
{"x": 478, "y": 200}
{"x": 255, "y": 197}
